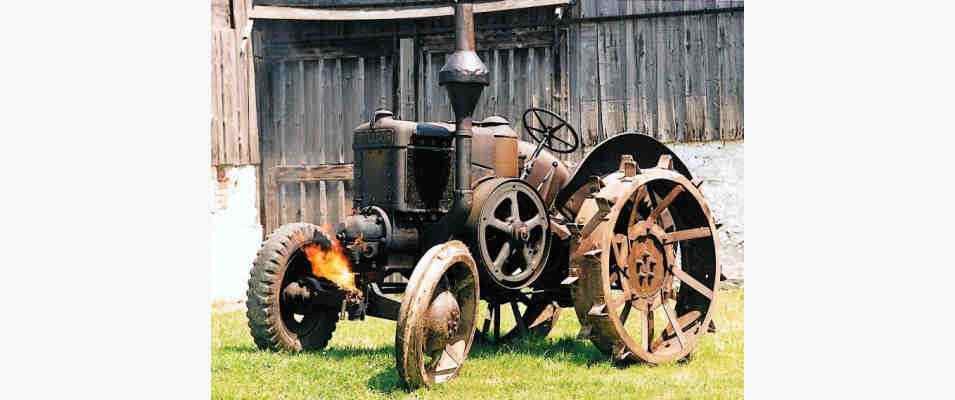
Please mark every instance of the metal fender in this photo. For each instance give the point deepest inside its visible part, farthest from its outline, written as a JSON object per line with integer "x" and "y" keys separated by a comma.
{"x": 605, "y": 159}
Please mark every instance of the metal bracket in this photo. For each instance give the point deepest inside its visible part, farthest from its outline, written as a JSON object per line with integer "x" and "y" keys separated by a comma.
{"x": 379, "y": 305}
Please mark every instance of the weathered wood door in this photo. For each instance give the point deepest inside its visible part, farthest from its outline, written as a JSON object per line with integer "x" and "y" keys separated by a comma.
{"x": 523, "y": 70}
{"x": 316, "y": 83}
{"x": 314, "y": 97}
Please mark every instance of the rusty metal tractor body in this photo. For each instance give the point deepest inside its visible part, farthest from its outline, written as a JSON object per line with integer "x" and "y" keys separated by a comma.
{"x": 465, "y": 211}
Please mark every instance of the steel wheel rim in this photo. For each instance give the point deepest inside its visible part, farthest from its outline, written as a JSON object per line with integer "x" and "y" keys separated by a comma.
{"x": 669, "y": 344}
{"x": 417, "y": 366}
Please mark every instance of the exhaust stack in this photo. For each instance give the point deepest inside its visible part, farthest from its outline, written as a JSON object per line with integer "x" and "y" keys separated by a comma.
{"x": 464, "y": 76}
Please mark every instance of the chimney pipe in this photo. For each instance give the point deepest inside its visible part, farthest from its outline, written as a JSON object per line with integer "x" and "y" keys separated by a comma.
{"x": 464, "y": 76}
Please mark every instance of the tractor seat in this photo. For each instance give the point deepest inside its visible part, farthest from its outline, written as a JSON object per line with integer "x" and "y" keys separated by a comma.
{"x": 434, "y": 129}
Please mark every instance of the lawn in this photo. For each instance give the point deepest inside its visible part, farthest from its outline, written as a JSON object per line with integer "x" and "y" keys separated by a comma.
{"x": 359, "y": 363}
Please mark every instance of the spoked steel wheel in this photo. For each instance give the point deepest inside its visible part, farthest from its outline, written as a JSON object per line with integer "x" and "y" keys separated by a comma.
{"x": 648, "y": 273}
{"x": 436, "y": 321}
{"x": 535, "y": 315}
{"x": 512, "y": 238}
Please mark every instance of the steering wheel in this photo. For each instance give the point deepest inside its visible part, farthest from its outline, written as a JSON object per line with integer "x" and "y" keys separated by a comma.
{"x": 547, "y": 133}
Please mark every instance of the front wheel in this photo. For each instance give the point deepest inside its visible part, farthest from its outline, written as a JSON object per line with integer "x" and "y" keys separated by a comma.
{"x": 278, "y": 319}
{"x": 436, "y": 322}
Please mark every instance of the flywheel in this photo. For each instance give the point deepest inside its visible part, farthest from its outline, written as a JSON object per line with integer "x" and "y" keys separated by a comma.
{"x": 510, "y": 233}
{"x": 647, "y": 267}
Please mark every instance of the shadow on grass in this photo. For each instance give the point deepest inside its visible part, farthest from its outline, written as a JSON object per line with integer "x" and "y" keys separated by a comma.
{"x": 338, "y": 353}
{"x": 386, "y": 381}
{"x": 563, "y": 349}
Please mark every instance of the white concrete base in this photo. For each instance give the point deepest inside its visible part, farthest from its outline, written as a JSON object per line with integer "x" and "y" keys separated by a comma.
{"x": 720, "y": 164}
{"x": 236, "y": 232}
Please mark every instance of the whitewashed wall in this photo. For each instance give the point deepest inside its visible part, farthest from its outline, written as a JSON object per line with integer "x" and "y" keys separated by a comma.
{"x": 236, "y": 232}
{"x": 720, "y": 164}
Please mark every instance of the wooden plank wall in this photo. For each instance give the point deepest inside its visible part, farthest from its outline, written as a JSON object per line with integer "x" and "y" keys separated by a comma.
{"x": 522, "y": 64}
{"x": 677, "y": 78}
{"x": 234, "y": 126}
{"x": 315, "y": 94}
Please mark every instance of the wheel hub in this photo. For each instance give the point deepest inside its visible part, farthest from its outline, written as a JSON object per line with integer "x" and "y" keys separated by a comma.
{"x": 442, "y": 321}
{"x": 648, "y": 260}
{"x": 511, "y": 238}
{"x": 521, "y": 232}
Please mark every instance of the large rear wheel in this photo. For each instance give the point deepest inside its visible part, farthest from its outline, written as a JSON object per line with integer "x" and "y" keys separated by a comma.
{"x": 648, "y": 273}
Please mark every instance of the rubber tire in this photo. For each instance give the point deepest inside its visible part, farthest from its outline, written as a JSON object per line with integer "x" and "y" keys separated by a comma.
{"x": 262, "y": 307}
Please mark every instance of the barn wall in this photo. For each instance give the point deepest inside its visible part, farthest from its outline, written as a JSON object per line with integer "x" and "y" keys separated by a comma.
{"x": 312, "y": 93}
{"x": 671, "y": 69}
{"x": 233, "y": 125}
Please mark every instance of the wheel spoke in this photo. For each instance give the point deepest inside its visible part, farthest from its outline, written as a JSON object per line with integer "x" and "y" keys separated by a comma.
{"x": 515, "y": 208}
{"x": 521, "y": 297}
{"x": 534, "y": 222}
{"x": 521, "y": 326}
{"x": 663, "y": 204}
{"x": 497, "y": 322}
{"x": 528, "y": 257}
{"x": 692, "y": 282}
{"x": 621, "y": 249}
{"x": 647, "y": 329}
{"x": 544, "y": 315}
{"x": 502, "y": 226}
{"x": 502, "y": 255}
{"x": 675, "y": 325}
{"x": 688, "y": 234}
{"x": 637, "y": 198}
{"x": 626, "y": 312}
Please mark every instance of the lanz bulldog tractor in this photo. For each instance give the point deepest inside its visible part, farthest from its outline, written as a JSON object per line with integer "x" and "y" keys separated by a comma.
{"x": 467, "y": 212}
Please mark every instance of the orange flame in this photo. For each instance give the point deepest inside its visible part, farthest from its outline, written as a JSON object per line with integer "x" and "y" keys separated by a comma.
{"x": 331, "y": 264}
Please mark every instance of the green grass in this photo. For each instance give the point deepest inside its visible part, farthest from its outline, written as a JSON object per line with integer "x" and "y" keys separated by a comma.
{"x": 359, "y": 363}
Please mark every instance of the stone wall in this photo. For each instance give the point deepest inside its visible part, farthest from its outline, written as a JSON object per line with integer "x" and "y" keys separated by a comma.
{"x": 720, "y": 164}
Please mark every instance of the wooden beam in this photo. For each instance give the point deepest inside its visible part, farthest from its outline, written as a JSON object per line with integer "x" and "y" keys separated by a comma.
{"x": 312, "y": 173}
{"x": 382, "y": 13}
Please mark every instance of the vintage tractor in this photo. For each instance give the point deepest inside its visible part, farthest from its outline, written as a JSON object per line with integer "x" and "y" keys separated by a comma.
{"x": 467, "y": 212}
